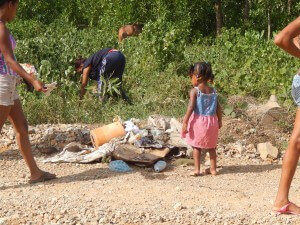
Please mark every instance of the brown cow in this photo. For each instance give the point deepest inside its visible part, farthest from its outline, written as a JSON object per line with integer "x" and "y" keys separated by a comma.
{"x": 130, "y": 30}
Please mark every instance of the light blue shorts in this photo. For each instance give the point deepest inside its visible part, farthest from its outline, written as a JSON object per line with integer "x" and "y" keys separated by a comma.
{"x": 296, "y": 89}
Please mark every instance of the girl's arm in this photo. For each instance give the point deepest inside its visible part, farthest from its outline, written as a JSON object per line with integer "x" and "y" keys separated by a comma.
{"x": 6, "y": 50}
{"x": 288, "y": 40}
{"x": 219, "y": 114}
{"x": 190, "y": 109}
{"x": 84, "y": 80}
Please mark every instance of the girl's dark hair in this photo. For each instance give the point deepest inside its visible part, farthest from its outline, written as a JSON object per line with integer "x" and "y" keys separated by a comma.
{"x": 2, "y": 2}
{"x": 80, "y": 60}
{"x": 202, "y": 70}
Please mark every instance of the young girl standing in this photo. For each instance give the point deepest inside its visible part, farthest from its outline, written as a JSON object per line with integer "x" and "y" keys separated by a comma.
{"x": 203, "y": 118}
{"x": 10, "y": 105}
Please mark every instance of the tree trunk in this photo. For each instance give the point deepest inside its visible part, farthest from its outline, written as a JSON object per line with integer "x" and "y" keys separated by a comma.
{"x": 246, "y": 11}
{"x": 269, "y": 24}
{"x": 289, "y": 6}
{"x": 219, "y": 16}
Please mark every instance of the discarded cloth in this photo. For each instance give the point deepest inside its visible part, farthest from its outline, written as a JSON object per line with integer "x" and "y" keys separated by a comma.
{"x": 85, "y": 156}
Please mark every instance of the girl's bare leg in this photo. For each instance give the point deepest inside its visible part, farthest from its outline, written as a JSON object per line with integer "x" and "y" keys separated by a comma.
{"x": 289, "y": 166}
{"x": 213, "y": 161}
{"x": 18, "y": 120}
{"x": 196, "y": 156}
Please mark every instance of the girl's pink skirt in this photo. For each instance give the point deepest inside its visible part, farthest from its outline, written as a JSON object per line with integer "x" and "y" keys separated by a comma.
{"x": 202, "y": 131}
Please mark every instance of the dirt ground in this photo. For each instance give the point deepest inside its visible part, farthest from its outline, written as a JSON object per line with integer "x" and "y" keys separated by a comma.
{"x": 242, "y": 193}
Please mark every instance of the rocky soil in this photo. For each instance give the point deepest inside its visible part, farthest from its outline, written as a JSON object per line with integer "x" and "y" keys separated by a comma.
{"x": 242, "y": 193}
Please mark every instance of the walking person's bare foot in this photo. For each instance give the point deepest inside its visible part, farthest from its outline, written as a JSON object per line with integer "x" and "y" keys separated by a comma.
{"x": 44, "y": 176}
{"x": 288, "y": 208}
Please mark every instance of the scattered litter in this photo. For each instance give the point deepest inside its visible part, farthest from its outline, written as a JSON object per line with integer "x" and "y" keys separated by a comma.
{"x": 119, "y": 166}
{"x": 50, "y": 88}
{"x": 147, "y": 142}
{"x": 104, "y": 134}
{"x": 143, "y": 157}
{"x": 159, "y": 122}
{"x": 130, "y": 144}
{"x": 160, "y": 166}
{"x": 29, "y": 68}
{"x": 131, "y": 127}
{"x": 87, "y": 154}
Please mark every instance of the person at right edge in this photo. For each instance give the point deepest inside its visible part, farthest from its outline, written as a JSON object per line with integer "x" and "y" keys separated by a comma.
{"x": 288, "y": 40}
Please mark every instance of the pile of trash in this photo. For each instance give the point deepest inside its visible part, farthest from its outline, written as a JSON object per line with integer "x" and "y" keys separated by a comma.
{"x": 141, "y": 144}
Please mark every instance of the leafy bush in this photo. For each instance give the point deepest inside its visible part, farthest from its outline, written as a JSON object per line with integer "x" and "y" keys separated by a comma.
{"x": 176, "y": 34}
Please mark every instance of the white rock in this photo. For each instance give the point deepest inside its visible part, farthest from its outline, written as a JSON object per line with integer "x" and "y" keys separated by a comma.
{"x": 3, "y": 221}
{"x": 267, "y": 151}
{"x": 239, "y": 147}
{"x": 178, "y": 206}
{"x": 199, "y": 211}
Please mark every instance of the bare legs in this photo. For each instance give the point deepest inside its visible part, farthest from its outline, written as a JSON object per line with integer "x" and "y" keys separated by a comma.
{"x": 289, "y": 166}
{"x": 18, "y": 120}
{"x": 213, "y": 161}
{"x": 196, "y": 156}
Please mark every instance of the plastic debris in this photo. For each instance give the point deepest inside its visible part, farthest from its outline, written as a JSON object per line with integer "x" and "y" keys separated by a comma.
{"x": 50, "y": 88}
{"x": 160, "y": 166}
{"x": 119, "y": 166}
{"x": 29, "y": 68}
{"x": 131, "y": 127}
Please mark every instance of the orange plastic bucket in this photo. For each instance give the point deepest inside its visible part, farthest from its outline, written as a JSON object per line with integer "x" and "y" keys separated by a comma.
{"x": 102, "y": 135}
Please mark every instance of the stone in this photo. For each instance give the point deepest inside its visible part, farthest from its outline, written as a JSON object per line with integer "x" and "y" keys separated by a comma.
{"x": 48, "y": 150}
{"x": 239, "y": 148}
{"x": 199, "y": 212}
{"x": 73, "y": 147}
{"x": 267, "y": 151}
{"x": 178, "y": 206}
{"x": 3, "y": 221}
{"x": 267, "y": 114}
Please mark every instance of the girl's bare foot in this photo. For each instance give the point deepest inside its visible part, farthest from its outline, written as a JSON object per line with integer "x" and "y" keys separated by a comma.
{"x": 210, "y": 171}
{"x": 195, "y": 174}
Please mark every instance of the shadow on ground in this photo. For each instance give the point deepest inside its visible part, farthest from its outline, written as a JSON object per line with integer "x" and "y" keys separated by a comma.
{"x": 91, "y": 175}
{"x": 248, "y": 168}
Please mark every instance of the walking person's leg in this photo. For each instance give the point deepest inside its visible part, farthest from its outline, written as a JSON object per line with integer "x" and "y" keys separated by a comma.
{"x": 4, "y": 112}
{"x": 18, "y": 120}
{"x": 289, "y": 166}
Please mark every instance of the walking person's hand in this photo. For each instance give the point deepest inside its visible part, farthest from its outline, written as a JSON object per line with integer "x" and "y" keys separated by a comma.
{"x": 39, "y": 86}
